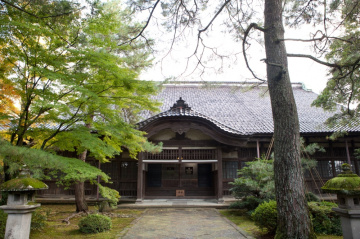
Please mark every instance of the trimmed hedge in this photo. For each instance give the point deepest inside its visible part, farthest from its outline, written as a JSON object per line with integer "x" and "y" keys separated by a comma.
{"x": 95, "y": 223}
{"x": 325, "y": 220}
{"x": 265, "y": 216}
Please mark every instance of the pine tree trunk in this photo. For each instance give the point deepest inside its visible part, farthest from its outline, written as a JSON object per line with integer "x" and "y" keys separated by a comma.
{"x": 293, "y": 215}
{"x": 79, "y": 187}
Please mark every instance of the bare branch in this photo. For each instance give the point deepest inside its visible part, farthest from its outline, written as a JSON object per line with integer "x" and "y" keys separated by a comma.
{"x": 143, "y": 29}
{"x": 316, "y": 39}
{"x": 252, "y": 25}
{"x": 314, "y": 59}
{"x": 215, "y": 16}
{"x": 209, "y": 24}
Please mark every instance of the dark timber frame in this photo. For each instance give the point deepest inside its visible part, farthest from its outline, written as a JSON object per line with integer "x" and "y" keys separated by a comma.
{"x": 186, "y": 135}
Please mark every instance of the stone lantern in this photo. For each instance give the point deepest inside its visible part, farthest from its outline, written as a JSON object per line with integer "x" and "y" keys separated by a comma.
{"x": 20, "y": 204}
{"x": 347, "y": 187}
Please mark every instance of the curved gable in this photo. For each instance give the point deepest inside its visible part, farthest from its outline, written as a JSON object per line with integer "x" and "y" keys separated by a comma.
{"x": 180, "y": 118}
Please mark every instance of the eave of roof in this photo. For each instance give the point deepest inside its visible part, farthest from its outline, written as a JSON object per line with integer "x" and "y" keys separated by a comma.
{"x": 237, "y": 109}
{"x": 189, "y": 113}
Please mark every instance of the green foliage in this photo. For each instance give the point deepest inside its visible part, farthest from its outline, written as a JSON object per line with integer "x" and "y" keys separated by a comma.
{"x": 311, "y": 197}
{"x": 249, "y": 203}
{"x": 343, "y": 86}
{"x": 111, "y": 194}
{"x": 256, "y": 179}
{"x": 3, "y": 218}
{"x": 38, "y": 161}
{"x": 324, "y": 219}
{"x": 95, "y": 223}
{"x": 77, "y": 85}
{"x": 4, "y": 196}
{"x": 38, "y": 219}
{"x": 265, "y": 216}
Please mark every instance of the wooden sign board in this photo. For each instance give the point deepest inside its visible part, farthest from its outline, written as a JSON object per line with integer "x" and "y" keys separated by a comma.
{"x": 180, "y": 193}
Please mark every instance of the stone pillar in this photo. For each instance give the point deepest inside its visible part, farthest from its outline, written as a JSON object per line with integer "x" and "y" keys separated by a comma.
{"x": 18, "y": 221}
{"x": 20, "y": 204}
{"x": 350, "y": 222}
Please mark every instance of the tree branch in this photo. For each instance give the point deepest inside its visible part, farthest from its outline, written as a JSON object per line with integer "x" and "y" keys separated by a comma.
{"x": 247, "y": 31}
{"x": 314, "y": 59}
{"x": 213, "y": 19}
{"x": 143, "y": 29}
{"x": 31, "y": 14}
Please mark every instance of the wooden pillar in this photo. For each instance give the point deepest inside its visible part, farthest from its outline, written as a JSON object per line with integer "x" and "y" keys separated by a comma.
{"x": 347, "y": 152}
{"x": 356, "y": 164}
{"x": 220, "y": 176}
{"x": 140, "y": 177}
{"x": 332, "y": 155}
{"x": 257, "y": 149}
{"x": 98, "y": 181}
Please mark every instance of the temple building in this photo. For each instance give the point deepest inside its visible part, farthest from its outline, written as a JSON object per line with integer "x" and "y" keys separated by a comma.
{"x": 209, "y": 131}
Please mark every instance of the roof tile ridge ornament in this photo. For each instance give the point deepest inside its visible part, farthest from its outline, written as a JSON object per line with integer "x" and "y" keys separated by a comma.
{"x": 181, "y": 107}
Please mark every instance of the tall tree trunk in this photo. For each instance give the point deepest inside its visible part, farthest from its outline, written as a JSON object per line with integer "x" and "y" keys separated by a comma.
{"x": 293, "y": 214}
{"x": 81, "y": 205}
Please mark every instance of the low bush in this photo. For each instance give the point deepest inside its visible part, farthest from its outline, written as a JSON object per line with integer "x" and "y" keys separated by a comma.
{"x": 38, "y": 220}
{"x": 3, "y": 199}
{"x": 265, "y": 216}
{"x": 3, "y": 218}
{"x": 95, "y": 223}
{"x": 248, "y": 203}
{"x": 325, "y": 220}
{"x": 311, "y": 197}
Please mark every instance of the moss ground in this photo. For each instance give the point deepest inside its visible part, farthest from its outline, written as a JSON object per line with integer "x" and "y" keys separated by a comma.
{"x": 55, "y": 228}
{"x": 244, "y": 221}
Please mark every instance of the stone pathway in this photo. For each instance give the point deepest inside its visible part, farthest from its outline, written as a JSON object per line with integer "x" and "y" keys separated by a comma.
{"x": 183, "y": 223}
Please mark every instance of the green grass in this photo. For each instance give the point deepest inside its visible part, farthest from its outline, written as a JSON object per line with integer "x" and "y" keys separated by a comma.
{"x": 55, "y": 228}
{"x": 244, "y": 221}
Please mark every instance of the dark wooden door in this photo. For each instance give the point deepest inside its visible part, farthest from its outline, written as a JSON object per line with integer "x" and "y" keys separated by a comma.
{"x": 205, "y": 177}
{"x": 154, "y": 175}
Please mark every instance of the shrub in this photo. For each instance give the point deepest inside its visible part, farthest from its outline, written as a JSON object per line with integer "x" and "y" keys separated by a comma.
{"x": 324, "y": 219}
{"x": 95, "y": 223}
{"x": 38, "y": 220}
{"x": 3, "y": 218}
{"x": 4, "y": 196}
{"x": 256, "y": 179}
{"x": 265, "y": 216}
{"x": 311, "y": 197}
{"x": 249, "y": 203}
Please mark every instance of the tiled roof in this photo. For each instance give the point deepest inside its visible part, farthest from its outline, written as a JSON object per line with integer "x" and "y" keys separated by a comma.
{"x": 238, "y": 109}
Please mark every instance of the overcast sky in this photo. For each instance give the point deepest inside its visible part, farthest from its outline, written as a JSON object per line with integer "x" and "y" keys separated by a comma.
{"x": 172, "y": 63}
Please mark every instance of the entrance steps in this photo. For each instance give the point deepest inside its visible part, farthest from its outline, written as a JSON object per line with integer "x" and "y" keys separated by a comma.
{"x": 177, "y": 203}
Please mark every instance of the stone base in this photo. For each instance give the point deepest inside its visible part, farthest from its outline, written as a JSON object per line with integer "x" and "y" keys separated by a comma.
{"x": 18, "y": 221}
{"x": 350, "y": 222}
